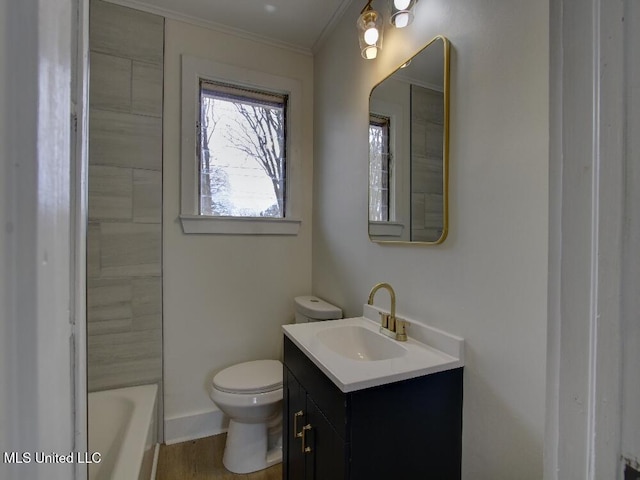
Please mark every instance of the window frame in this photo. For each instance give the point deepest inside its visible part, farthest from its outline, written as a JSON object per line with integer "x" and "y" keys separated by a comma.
{"x": 383, "y": 122}
{"x": 193, "y": 70}
{"x": 245, "y": 96}
{"x": 399, "y": 176}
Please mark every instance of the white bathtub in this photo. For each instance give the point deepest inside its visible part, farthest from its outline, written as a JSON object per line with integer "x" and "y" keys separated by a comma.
{"x": 122, "y": 428}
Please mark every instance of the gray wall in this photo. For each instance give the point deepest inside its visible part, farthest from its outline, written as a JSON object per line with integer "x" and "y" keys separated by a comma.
{"x": 124, "y": 268}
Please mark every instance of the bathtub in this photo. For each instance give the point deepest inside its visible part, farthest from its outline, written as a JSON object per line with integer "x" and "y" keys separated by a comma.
{"x": 122, "y": 428}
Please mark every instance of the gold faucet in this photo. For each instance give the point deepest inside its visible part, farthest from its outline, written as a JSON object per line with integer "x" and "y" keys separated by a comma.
{"x": 390, "y": 325}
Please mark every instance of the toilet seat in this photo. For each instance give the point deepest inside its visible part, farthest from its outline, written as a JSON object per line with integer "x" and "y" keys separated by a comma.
{"x": 259, "y": 376}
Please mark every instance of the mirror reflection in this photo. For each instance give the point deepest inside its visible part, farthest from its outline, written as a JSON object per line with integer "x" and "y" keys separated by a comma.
{"x": 408, "y": 150}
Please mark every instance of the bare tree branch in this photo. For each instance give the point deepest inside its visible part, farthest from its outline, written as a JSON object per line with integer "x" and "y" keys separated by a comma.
{"x": 260, "y": 136}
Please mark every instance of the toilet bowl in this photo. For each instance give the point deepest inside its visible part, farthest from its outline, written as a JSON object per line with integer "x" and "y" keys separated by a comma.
{"x": 250, "y": 394}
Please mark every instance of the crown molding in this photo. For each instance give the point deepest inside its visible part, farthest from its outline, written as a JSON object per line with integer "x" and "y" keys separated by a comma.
{"x": 237, "y": 32}
{"x": 330, "y": 26}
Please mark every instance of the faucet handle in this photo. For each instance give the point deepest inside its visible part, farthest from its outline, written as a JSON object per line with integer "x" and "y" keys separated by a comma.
{"x": 401, "y": 329}
{"x": 384, "y": 319}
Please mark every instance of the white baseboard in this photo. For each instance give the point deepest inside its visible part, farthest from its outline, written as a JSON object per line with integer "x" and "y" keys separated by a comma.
{"x": 194, "y": 426}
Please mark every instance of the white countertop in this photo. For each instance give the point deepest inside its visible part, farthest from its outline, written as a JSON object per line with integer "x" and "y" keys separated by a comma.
{"x": 428, "y": 350}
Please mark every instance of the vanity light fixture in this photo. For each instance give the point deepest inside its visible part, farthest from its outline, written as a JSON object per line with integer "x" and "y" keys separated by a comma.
{"x": 370, "y": 24}
{"x": 401, "y": 12}
{"x": 369, "y": 32}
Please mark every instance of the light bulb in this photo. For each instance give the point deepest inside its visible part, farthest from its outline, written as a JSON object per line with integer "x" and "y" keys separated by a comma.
{"x": 370, "y": 53}
{"x": 371, "y": 35}
{"x": 401, "y": 4}
{"x": 401, "y": 20}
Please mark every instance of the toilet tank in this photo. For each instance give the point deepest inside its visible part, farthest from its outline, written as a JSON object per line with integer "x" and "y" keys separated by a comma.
{"x": 313, "y": 309}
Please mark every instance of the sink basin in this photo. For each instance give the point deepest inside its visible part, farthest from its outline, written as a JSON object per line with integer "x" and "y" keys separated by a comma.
{"x": 360, "y": 343}
{"x": 355, "y": 355}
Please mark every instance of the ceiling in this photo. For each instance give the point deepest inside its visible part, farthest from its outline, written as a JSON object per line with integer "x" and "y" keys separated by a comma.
{"x": 300, "y": 24}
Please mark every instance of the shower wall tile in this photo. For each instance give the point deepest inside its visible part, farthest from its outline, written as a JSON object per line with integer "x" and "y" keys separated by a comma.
{"x": 426, "y": 174}
{"x": 426, "y": 234}
{"x": 146, "y": 97}
{"x": 147, "y": 296}
{"x": 115, "y": 375}
{"x": 147, "y": 322}
{"x": 125, "y": 140}
{"x": 109, "y": 299}
{"x": 123, "y": 344}
{"x": 109, "y": 326}
{"x": 426, "y": 138}
{"x": 130, "y": 249}
{"x": 123, "y": 353}
{"x": 125, "y": 32}
{"x": 433, "y": 210}
{"x": 110, "y": 193}
{"x": 427, "y": 104}
{"x": 110, "y": 82}
{"x": 125, "y": 358}
{"x": 427, "y": 128}
{"x": 147, "y": 196}
{"x": 124, "y": 260}
{"x": 417, "y": 211}
{"x": 93, "y": 250}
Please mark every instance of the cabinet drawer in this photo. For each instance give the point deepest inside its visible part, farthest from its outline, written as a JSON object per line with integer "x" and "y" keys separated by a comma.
{"x": 333, "y": 403}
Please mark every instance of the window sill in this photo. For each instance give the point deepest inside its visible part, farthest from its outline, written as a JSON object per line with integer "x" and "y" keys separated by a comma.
{"x": 199, "y": 224}
{"x": 385, "y": 229}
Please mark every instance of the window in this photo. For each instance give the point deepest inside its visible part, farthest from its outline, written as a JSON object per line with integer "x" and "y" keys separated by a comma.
{"x": 379, "y": 168}
{"x": 242, "y": 151}
{"x": 240, "y": 147}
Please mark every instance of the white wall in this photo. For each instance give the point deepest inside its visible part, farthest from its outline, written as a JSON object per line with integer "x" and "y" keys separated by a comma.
{"x": 631, "y": 272}
{"x": 593, "y": 364}
{"x": 36, "y": 343}
{"x": 225, "y": 296}
{"x": 488, "y": 281}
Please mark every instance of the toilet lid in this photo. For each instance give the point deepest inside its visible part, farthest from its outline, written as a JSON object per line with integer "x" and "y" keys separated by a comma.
{"x": 258, "y": 376}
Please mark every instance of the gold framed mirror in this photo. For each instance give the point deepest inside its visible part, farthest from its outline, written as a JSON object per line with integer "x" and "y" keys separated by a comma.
{"x": 409, "y": 150}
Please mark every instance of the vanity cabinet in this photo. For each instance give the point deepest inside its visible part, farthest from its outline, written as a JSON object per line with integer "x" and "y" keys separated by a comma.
{"x": 411, "y": 429}
{"x": 317, "y": 451}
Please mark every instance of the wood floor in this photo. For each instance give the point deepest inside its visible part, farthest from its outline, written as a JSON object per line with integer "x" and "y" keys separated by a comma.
{"x": 202, "y": 460}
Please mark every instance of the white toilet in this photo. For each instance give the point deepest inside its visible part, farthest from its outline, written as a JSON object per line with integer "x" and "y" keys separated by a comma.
{"x": 250, "y": 394}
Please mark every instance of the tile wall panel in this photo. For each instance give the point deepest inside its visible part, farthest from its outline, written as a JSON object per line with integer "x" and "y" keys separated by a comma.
{"x": 134, "y": 372}
{"x": 93, "y": 250}
{"x": 96, "y": 327}
{"x": 110, "y": 82}
{"x": 125, "y": 32}
{"x": 147, "y": 296}
{"x": 111, "y": 193}
{"x": 427, "y": 128}
{"x": 125, "y": 140}
{"x": 109, "y": 299}
{"x": 130, "y": 249}
{"x": 124, "y": 260}
{"x": 426, "y": 174}
{"x": 147, "y": 196}
{"x": 146, "y": 89}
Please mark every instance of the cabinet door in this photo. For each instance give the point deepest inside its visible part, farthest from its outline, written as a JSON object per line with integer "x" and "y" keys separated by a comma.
{"x": 325, "y": 452}
{"x": 294, "y": 419}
